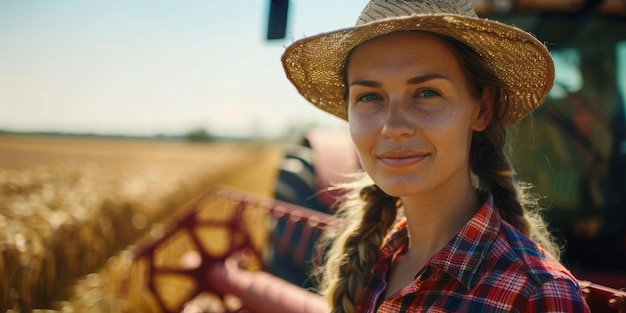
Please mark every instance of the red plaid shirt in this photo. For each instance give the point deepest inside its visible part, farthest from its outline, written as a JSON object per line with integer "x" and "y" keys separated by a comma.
{"x": 488, "y": 267}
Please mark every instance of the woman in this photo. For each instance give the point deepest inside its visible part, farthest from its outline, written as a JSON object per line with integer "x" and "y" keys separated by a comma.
{"x": 438, "y": 224}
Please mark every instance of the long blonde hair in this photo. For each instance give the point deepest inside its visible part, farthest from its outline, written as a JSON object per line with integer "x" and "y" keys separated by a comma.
{"x": 367, "y": 214}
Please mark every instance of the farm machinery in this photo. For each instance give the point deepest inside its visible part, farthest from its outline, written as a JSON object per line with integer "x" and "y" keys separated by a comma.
{"x": 222, "y": 266}
{"x": 236, "y": 277}
{"x": 238, "y": 252}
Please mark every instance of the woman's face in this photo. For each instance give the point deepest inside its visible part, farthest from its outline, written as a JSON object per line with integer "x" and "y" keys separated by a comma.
{"x": 411, "y": 114}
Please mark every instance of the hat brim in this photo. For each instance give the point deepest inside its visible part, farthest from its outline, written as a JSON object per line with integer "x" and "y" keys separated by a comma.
{"x": 315, "y": 64}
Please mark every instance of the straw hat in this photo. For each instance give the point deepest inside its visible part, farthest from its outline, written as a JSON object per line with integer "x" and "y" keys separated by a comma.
{"x": 315, "y": 65}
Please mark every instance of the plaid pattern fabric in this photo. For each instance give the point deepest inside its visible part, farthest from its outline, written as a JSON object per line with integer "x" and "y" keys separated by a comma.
{"x": 488, "y": 267}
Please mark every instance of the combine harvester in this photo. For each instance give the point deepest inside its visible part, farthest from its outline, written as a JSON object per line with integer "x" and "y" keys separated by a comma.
{"x": 237, "y": 252}
{"x": 232, "y": 276}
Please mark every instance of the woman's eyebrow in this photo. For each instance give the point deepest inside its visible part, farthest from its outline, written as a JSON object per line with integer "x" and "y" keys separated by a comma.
{"x": 366, "y": 83}
{"x": 411, "y": 81}
{"x": 425, "y": 77}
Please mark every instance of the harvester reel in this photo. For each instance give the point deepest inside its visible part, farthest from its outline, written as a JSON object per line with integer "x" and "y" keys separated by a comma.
{"x": 208, "y": 240}
{"x": 205, "y": 256}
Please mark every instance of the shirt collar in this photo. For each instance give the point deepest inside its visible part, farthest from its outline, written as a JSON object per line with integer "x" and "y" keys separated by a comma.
{"x": 462, "y": 256}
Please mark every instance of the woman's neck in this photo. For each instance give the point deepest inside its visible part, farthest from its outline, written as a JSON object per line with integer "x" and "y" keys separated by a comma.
{"x": 434, "y": 219}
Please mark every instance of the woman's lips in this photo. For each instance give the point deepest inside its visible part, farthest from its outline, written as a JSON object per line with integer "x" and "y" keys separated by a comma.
{"x": 401, "y": 158}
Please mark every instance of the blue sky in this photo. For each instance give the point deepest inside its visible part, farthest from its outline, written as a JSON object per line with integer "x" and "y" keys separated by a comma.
{"x": 144, "y": 67}
{"x": 147, "y": 67}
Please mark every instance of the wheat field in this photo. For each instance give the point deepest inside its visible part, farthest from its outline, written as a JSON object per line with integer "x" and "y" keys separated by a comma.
{"x": 71, "y": 207}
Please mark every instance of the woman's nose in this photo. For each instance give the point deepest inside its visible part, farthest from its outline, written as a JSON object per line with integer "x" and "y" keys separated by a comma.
{"x": 397, "y": 123}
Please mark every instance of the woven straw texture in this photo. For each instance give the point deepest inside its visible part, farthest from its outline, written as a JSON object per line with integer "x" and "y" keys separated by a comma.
{"x": 315, "y": 64}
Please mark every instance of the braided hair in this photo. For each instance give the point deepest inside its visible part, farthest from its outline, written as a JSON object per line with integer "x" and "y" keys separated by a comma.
{"x": 366, "y": 215}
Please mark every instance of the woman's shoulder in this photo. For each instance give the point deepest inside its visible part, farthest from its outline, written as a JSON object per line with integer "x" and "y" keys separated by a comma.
{"x": 517, "y": 255}
{"x": 526, "y": 272}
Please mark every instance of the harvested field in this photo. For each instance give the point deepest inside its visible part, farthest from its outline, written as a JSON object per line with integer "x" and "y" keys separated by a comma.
{"x": 68, "y": 206}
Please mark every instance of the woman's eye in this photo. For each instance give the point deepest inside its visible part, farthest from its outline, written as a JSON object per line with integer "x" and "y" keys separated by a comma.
{"x": 427, "y": 93}
{"x": 368, "y": 97}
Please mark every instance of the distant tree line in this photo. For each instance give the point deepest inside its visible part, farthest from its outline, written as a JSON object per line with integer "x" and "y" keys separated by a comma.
{"x": 199, "y": 134}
